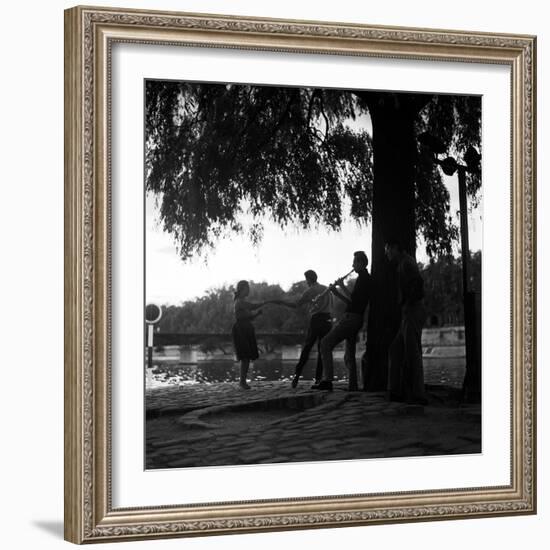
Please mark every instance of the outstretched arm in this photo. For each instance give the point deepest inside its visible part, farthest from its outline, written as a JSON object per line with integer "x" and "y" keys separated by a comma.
{"x": 294, "y": 304}
{"x": 285, "y": 303}
{"x": 244, "y": 310}
{"x": 247, "y": 313}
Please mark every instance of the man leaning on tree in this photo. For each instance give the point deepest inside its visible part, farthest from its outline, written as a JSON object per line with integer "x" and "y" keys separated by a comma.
{"x": 349, "y": 325}
{"x": 405, "y": 370}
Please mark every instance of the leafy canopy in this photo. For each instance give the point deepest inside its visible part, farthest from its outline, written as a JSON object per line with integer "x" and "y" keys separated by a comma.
{"x": 296, "y": 155}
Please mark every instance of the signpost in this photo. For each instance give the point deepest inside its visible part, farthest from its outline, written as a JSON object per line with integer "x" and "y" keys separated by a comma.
{"x": 153, "y": 313}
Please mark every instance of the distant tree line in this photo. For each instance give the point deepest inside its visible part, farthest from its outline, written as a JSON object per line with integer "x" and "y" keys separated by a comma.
{"x": 443, "y": 289}
{"x": 213, "y": 312}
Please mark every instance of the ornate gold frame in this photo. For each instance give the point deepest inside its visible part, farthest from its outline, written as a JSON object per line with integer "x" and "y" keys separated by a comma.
{"x": 89, "y": 34}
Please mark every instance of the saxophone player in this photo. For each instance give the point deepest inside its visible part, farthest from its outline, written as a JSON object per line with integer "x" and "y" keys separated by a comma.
{"x": 349, "y": 326}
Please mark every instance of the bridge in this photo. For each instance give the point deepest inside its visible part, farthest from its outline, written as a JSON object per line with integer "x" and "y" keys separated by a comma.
{"x": 214, "y": 338}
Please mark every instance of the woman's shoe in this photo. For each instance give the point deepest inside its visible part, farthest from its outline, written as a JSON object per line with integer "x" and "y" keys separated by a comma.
{"x": 244, "y": 386}
{"x": 295, "y": 381}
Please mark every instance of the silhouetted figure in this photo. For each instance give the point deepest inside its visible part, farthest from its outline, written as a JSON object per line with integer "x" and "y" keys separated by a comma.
{"x": 244, "y": 337}
{"x": 349, "y": 326}
{"x": 406, "y": 375}
{"x": 318, "y": 301}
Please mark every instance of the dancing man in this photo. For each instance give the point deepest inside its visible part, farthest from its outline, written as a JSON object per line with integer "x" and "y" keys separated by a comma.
{"x": 349, "y": 326}
{"x": 318, "y": 301}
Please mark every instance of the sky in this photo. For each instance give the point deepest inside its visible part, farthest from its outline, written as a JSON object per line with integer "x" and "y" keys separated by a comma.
{"x": 281, "y": 257}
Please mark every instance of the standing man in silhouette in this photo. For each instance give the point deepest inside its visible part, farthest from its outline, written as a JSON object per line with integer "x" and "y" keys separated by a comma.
{"x": 349, "y": 325}
{"x": 406, "y": 375}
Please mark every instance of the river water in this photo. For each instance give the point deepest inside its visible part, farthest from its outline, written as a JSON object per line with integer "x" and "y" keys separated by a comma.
{"x": 447, "y": 371}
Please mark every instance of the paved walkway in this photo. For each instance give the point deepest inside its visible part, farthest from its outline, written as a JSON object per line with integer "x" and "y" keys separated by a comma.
{"x": 220, "y": 424}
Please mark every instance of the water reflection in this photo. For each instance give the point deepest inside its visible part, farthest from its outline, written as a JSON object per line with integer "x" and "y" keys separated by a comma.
{"x": 447, "y": 371}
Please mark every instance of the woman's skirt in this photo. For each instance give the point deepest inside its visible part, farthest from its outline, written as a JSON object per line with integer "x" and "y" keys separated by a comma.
{"x": 244, "y": 340}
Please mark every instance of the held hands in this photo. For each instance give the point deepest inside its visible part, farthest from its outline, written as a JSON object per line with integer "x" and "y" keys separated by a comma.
{"x": 277, "y": 303}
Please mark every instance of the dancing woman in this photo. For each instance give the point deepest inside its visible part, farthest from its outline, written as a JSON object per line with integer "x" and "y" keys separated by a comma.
{"x": 244, "y": 337}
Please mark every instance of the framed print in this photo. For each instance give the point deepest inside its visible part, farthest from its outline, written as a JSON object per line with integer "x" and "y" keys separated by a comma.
{"x": 299, "y": 275}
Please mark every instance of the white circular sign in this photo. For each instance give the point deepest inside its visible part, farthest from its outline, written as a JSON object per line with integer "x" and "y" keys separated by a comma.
{"x": 153, "y": 313}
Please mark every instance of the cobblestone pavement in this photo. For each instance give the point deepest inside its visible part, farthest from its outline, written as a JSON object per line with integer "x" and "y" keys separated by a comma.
{"x": 220, "y": 424}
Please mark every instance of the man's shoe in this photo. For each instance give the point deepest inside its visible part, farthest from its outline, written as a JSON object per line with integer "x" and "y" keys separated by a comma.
{"x": 295, "y": 381}
{"x": 417, "y": 401}
{"x": 323, "y": 385}
{"x": 393, "y": 396}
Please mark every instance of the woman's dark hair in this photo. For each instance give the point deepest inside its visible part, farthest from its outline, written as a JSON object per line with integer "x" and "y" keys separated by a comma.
{"x": 310, "y": 275}
{"x": 241, "y": 285}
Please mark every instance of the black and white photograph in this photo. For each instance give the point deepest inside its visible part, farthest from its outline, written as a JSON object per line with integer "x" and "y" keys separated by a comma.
{"x": 313, "y": 262}
{"x": 273, "y": 275}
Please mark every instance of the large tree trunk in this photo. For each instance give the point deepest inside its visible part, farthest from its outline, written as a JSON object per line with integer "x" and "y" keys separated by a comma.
{"x": 393, "y": 217}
